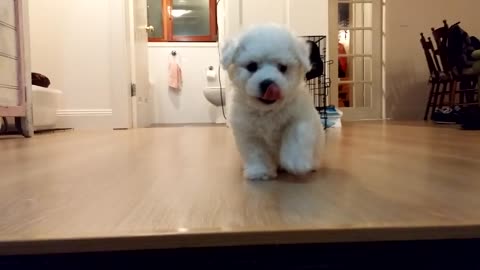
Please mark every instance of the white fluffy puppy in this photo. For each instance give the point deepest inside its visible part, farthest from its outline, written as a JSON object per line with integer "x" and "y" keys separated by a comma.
{"x": 272, "y": 116}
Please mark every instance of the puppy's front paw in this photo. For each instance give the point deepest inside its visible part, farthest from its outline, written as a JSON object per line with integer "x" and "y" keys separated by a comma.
{"x": 259, "y": 172}
{"x": 297, "y": 166}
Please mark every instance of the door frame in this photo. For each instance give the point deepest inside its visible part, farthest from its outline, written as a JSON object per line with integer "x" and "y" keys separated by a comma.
{"x": 376, "y": 111}
{"x": 120, "y": 64}
{"x": 142, "y": 101}
{"x": 124, "y": 104}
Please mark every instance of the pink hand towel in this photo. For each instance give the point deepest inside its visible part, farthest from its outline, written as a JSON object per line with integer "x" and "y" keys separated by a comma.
{"x": 175, "y": 79}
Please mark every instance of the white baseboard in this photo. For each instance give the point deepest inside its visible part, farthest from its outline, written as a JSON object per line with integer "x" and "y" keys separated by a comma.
{"x": 85, "y": 119}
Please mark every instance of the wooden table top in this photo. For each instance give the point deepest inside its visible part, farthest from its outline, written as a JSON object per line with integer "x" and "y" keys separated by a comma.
{"x": 183, "y": 187}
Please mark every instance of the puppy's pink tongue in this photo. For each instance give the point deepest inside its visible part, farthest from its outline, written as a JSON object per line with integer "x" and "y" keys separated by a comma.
{"x": 273, "y": 93}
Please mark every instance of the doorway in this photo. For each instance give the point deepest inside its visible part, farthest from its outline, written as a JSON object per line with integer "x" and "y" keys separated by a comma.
{"x": 355, "y": 28}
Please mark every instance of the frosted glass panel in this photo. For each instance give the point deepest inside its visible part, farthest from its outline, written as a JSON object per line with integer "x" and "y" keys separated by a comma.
{"x": 363, "y": 95}
{"x": 355, "y": 14}
{"x": 155, "y": 18}
{"x": 362, "y": 67}
{"x": 361, "y": 42}
{"x": 355, "y": 95}
{"x": 191, "y": 17}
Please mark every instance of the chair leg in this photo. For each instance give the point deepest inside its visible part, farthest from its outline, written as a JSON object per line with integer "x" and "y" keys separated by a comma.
{"x": 472, "y": 84}
{"x": 452, "y": 92}
{"x": 443, "y": 92}
{"x": 477, "y": 93}
{"x": 430, "y": 103}
{"x": 436, "y": 93}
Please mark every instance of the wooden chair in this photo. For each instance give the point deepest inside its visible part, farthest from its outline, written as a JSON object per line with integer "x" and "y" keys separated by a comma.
{"x": 440, "y": 35}
{"x": 461, "y": 86}
{"x": 438, "y": 80}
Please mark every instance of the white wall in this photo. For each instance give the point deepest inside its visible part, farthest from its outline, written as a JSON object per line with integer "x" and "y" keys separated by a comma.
{"x": 187, "y": 105}
{"x": 406, "y": 69}
{"x": 308, "y": 17}
{"x": 305, "y": 17}
{"x": 72, "y": 43}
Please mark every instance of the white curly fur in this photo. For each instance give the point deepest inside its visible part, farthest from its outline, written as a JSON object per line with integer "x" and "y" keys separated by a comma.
{"x": 286, "y": 134}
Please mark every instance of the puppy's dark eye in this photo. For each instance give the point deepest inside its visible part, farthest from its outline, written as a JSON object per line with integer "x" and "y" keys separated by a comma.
{"x": 282, "y": 68}
{"x": 252, "y": 67}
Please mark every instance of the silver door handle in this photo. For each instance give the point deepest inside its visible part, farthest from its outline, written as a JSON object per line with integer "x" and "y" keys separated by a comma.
{"x": 150, "y": 28}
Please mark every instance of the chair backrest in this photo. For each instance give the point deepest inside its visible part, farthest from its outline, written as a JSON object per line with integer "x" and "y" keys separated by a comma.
{"x": 432, "y": 62}
{"x": 440, "y": 36}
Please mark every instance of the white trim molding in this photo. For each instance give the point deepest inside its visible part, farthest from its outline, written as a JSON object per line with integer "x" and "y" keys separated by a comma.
{"x": 83, "y": 112}
{"x": 85, "y": 119}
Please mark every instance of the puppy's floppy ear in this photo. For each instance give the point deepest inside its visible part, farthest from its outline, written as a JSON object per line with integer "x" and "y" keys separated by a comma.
{"x": 229, "y": 51}
{"x": 302, "y": 50}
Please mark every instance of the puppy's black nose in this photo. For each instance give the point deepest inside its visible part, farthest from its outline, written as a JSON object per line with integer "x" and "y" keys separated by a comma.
{"x": 264, "y": 86}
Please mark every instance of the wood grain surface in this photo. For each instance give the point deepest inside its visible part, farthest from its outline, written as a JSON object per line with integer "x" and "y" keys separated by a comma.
{"x": 182, "y": 187}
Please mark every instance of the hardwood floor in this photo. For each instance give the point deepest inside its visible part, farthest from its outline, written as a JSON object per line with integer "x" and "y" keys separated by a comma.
{"x": 183, "y": 187}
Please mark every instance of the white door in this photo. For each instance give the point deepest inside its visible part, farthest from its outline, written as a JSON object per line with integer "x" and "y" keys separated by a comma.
{"x": 357, "y": 52}
{"x": 141, "y": 98}
{"x": 15, "y": 77}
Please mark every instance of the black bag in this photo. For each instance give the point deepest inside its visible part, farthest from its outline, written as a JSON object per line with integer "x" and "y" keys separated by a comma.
{"x": 40, "y": 80}
{"x": 475, "y": 43}
{"x": 471, "y": 118}
{"x": 315, "y": 60}
{"x": 459, "y": 49}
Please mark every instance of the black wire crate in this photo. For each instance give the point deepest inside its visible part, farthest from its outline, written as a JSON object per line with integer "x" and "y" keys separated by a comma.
{"x": 319, "y": 87}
